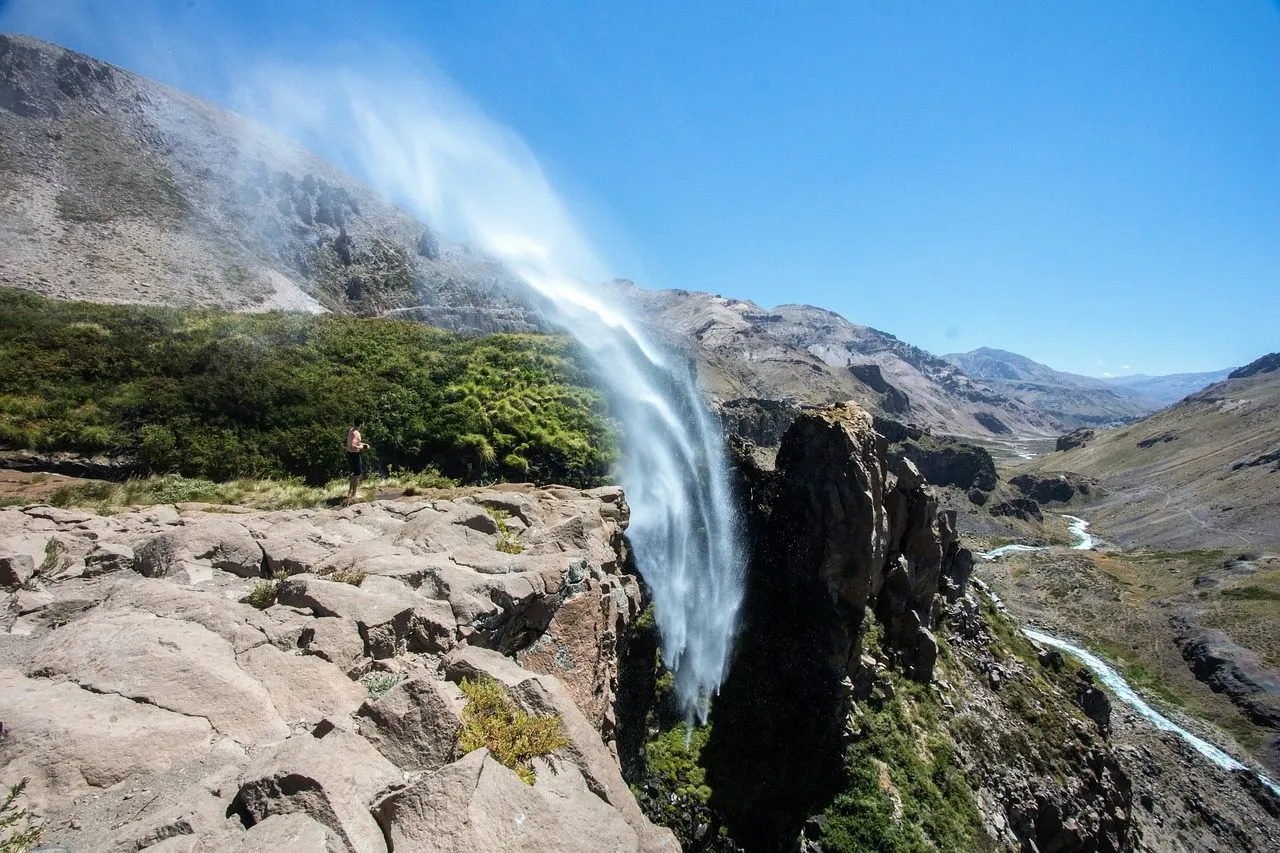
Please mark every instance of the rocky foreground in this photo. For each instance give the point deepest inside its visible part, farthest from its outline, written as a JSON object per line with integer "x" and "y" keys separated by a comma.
{"x": 152, "y": 706}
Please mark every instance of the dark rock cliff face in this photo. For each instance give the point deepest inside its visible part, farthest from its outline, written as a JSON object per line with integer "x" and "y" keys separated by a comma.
{"x": 835, "y": 540}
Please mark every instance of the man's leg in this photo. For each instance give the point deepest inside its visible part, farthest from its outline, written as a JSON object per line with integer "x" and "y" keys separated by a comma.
{"x": 353, "y": 484}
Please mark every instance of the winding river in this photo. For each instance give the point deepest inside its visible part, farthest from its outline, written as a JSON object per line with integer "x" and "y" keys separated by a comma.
{"x": 1107, "y": 674}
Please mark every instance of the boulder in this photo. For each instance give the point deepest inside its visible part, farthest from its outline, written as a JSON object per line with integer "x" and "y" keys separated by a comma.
{"x": 331, "y": 779}
{"x": 415, "y": 724}
{"x": 108, "y": 557}
{"x": 1078, "y": 437}
{"x": 1023, "y": 508}
{"x": 69, "y": 740}
{"x": 20, "y": 558}
{"x": 545, "y": 694}
{"x": 175, "y": 665}
{"x": 295, "y": 832}
{"x": 225, "y": 545}
{"x": 337, "y": 641}
{"x": 477, "y": 804}
{"x": 303, "y": 688}
{"x": 390, "y": 620}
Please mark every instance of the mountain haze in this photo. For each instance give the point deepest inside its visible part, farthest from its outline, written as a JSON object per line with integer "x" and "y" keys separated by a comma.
{"x": 115, "y": 188}
{"x": 1201, "y": 473}
{"x": 1169, "y": 388}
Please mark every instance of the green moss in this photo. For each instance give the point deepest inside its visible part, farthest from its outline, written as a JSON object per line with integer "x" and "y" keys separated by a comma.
{"x": 904, "y": 791}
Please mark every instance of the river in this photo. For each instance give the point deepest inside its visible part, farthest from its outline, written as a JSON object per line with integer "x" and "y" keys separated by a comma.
{"x": 1113, "y": 681}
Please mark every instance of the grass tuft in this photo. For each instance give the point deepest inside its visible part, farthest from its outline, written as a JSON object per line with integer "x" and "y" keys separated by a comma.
{"x": 492, "y": 720}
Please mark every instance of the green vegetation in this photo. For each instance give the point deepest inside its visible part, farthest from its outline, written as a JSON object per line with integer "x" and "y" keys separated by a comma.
{"x": 376, "y": 684}
{"x": 13, "y": 839}
{"x": 514, "y": 738}
{"x": 904, "y": 791}
{"x": 674, "y": 764}
{"x": 220, "y": 396}
{"x": 1147, "y": 682}
{"x": 508, "y": 542}
{"x": 290, "y": 493}
{"x": 1251, "y": 593}
{"x": 355, "y": 577}
{"x": 264, "y": 593}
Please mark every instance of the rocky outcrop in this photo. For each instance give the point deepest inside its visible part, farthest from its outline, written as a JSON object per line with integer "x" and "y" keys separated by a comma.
{"x": 1025, "y": 509}
{"x": 837, "y": 541}
{"x": 947, "y": 462}
{"x": 1229, "y": 668}
{"x": 762, "y": 422}
{"x": 1078, "y": 437}
{"x": 1266, "y": 364}
{"x": 152, "y": 705}
{"x": 1053, "y": 487}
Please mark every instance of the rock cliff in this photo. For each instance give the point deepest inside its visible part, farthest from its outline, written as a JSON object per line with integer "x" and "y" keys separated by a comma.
{"x": 202, "y": 678}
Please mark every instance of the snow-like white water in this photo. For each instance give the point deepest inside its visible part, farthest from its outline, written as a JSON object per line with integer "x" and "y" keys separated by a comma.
{"x": 1078, "y": 526}
{"x": 1122, "y": 691}
{"x": 425, "y": 146}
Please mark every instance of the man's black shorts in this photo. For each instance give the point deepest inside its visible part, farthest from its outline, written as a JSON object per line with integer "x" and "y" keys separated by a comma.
{"x": 355, "y": 461}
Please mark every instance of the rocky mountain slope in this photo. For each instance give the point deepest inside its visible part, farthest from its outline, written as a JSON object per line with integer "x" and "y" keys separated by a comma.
{"x": 1072, "y": 399}
{"x": 1200, "y": 474}
{"x": 803, "y": 354}
{"x": 114, "y": 188}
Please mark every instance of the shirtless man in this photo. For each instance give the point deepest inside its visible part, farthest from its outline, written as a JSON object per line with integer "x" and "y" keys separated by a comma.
{"x": 355, "y": 461}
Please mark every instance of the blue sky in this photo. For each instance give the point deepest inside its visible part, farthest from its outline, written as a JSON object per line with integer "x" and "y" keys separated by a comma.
{"x": 1092, "y": 184}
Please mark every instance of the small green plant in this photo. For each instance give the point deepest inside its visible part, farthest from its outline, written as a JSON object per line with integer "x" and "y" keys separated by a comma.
{"x": 492, "y": 720}
{"x": 376, "y": 684}
{"x": 264, "y": 593}
{"x": 508, "y": 542}
{"x": 13, "y": 839}
{"x": 352, "y": 576}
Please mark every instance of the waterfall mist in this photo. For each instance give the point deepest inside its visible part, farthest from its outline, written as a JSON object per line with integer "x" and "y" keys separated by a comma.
{"x": 425, "y": 146}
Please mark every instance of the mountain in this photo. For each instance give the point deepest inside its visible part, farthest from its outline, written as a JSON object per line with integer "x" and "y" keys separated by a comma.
{"x": 810, "y": 355}
{"x": 1166, "y": 389}
{"x": 114, "y": 188}
{"x": 1069, "y": 398}
{"x": 1202, "y": 473}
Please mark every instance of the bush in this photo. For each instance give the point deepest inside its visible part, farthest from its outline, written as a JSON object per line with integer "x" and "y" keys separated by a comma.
{"x": 218, "y": 396}
{"x": 514, "y": 738}
{"x": 13, "y": 839}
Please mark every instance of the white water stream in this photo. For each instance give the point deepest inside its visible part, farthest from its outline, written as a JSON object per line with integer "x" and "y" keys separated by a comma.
{"x": 1108, "y": 676}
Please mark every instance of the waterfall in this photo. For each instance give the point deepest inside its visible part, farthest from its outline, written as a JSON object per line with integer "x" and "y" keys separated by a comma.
{"x": 425, "y": 146}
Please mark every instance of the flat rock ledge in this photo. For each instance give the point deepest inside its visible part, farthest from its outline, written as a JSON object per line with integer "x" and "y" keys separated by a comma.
{"x": 195, "y": 678}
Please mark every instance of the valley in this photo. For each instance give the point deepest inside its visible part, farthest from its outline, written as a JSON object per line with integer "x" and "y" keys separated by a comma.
{"x": 839, "y": 605}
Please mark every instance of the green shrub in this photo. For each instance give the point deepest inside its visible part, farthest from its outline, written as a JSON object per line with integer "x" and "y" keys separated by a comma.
{"x": 376, "y": 684}
{"x": 264, "y": 593}
{"x": 218, "y": 396}
{"x": 514, "y": 738}
{"x": 13, "y": 839}
{"x": 508, "y": 541}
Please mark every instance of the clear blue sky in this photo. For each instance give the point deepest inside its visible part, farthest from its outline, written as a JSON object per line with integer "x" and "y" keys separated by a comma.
{"x": 1093, "y": 184}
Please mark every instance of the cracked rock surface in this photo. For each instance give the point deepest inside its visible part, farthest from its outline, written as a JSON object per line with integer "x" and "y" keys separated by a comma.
{"x": 153, "y": 707}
